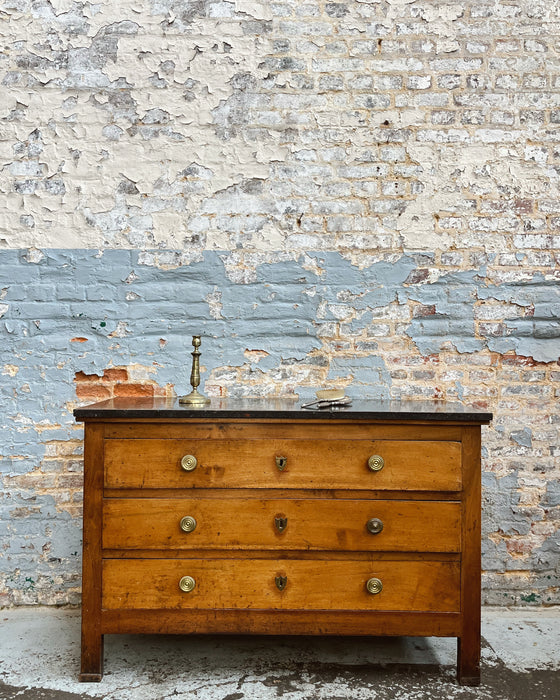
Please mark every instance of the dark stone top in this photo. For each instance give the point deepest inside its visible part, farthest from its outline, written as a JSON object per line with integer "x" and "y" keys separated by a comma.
{"x": 133, "y": 408}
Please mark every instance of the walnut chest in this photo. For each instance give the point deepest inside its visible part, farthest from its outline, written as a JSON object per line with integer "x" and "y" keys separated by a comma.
{"x": 259, "y": 517}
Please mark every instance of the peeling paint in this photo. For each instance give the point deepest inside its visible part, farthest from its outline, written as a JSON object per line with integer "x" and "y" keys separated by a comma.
{"x": 363, "y": 193}
{"x": 298, "y": 322}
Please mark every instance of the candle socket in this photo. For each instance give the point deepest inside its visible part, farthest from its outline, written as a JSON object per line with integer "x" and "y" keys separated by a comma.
{"x": 195, "y": 398}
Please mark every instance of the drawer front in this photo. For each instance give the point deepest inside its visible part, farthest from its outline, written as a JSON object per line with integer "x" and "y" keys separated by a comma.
{"x": 308, "y": 585}
{"x": 416, "y": 465}
{"x": 288, "y": 524}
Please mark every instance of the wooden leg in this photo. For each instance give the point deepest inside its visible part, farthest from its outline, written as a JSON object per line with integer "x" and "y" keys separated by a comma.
{"x": 468, "y": 643}
{"x": 92, "y": 658}
{"x": 92, "y": 638}
{"x": 468, "y": 660}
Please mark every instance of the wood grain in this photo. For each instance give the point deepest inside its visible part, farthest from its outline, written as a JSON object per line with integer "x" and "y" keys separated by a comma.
{"x": 250, "y": 583}
{"x": 312, "y": 524}
{"x": 281, "y": 622}
{"x": 260, "y": 429}
{"x": 409, "y": 465}
{"x": 427, "y": 556}
{"x": 92, "y": 638}
{"x": 468, "y": 645}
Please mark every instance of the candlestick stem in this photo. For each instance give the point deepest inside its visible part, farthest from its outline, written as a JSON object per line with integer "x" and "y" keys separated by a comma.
{"x": 195, "y": 398}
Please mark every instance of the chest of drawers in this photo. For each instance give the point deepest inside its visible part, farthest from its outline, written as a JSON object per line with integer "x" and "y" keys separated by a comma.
{"x": 259, "y": 517}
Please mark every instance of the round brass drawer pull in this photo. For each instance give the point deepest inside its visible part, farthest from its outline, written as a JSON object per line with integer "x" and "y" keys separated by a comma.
{"x": 187, "y": 584}
{"x": 188, "y": 463}
{"x": 188, "y": 523}
{"x": 374, "y": 526}
{"x": 374, "y": 586}
{"x": 376, "y": 463}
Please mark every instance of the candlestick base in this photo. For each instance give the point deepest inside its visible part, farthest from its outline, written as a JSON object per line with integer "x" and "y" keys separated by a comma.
{"x": 195, "y": 398}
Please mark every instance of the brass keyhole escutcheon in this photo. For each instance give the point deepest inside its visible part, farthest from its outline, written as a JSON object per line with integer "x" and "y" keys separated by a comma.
{"x": 374, "y": 526}
{"x": 188, "y": 523}
{"x": 281, "y": 463}
{"x": 376, "y": 463}
{"x": 374, "y": 586}
{"x": 187, "y": 584}
{"x": 281, "y": 523}
{"x": 188, "y": 463}
{"x": 281, "y": 582}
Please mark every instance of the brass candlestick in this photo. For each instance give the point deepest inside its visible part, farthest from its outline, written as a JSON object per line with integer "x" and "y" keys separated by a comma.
{"x": 195, "y": 398}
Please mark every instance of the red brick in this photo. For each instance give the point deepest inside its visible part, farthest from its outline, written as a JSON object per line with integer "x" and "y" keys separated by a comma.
{"x": 115, "y": 375}
{"x": 83, "y": 377}
{"x": 134, "y": 390}
{"x": 423, "y": 310}
{"x": 92, "y": 391}
{"x": 524, "y": 206}
{"x": 417, "y": 276}
{"x": 519, "y": 361}
{"x": 519, "y": 546}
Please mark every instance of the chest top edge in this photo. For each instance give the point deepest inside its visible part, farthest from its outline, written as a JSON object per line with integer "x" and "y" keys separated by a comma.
{"x": 155, "y": 410}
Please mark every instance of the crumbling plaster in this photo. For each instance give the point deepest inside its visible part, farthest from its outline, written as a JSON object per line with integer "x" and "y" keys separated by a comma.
{"x": 361, "y": 192}
{"x": 144, "y": 124}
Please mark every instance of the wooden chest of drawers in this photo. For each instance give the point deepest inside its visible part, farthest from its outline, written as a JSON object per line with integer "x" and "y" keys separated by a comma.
{"x": 261, "y": 517}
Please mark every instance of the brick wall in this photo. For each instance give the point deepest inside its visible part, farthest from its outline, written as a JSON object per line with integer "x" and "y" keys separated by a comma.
{"x": 360, "y": 192}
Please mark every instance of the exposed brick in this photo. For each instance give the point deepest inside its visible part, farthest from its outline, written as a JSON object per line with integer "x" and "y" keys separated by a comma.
{"x": 134, "y": 390}
{"x": 83, "y": 377}
{"x": 379, "y": 180}
{"x": 92, "y": 392}
{"x": 73, "y": 481}
{"x": 115, "y": 375}
{"x": 519, "y": 360}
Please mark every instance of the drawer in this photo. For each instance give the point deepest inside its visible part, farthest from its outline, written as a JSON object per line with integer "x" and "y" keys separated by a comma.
{"x": 289, "y": 524}
{"x": 416, "y": 465}
{"x": 252, "y": 584}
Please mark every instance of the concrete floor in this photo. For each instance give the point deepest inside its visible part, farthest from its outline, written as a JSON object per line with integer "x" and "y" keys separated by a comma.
{"x": 39, "y": 660}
